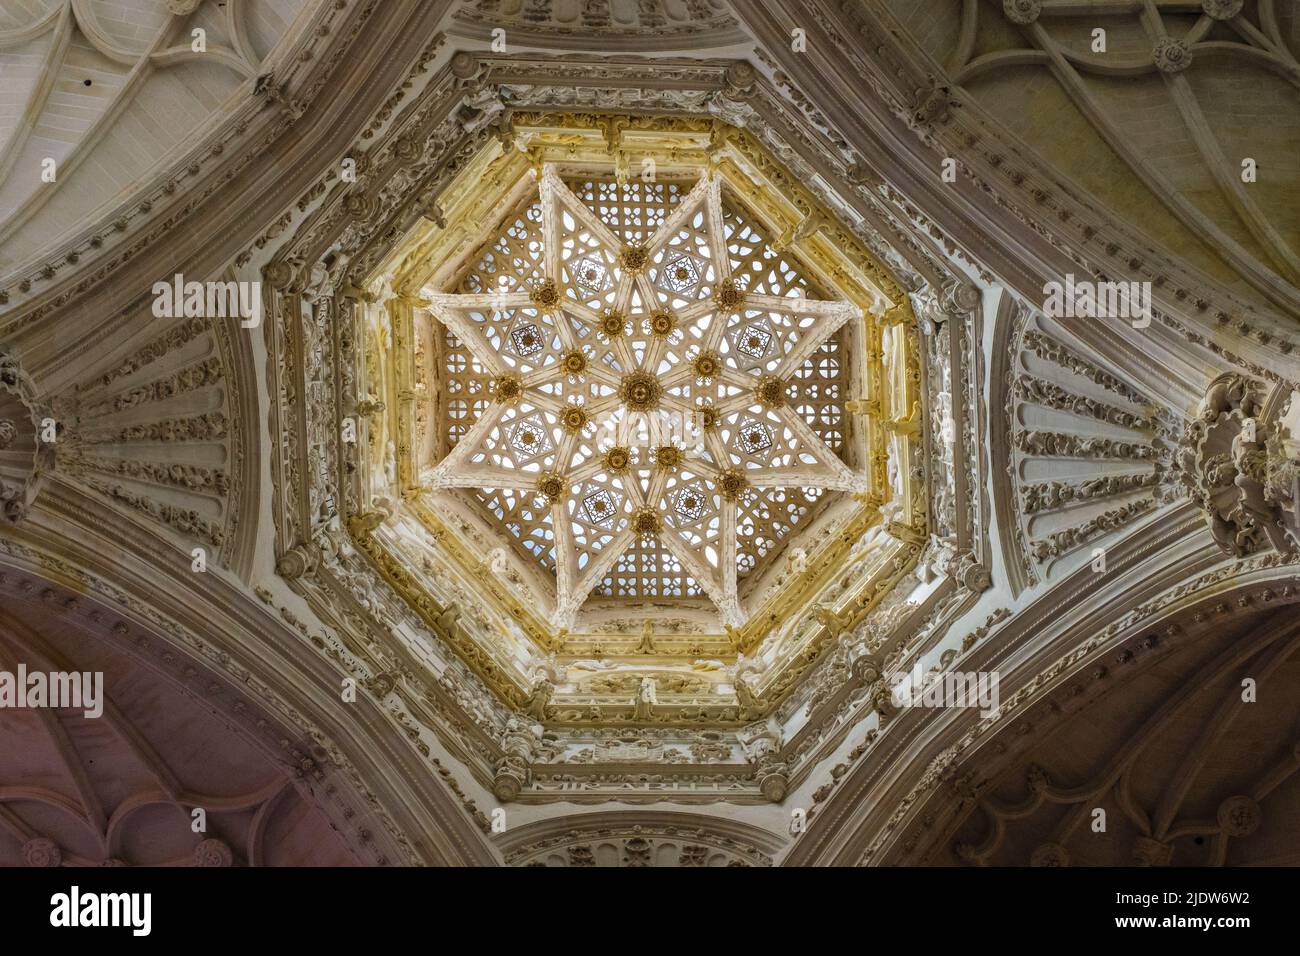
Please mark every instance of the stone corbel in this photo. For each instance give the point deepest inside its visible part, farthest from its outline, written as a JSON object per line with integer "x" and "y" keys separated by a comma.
{"x": 513, "y": 771}
{"x": 862, "y": 406}
{"x": 971, "y": 574}
{"x": 296, "y": 561}
{"x": 806, "y": 228}
{"x": 762, "y": 743}
{"x": 1236, "y": 465}
{"x": 480, "y": 108}
{"x": 278, "y": 274}
{"x": 503, "y": 130}
{"x": 349, "y": 291}
{"x": 773, "y": 777}
{"x": 739, "y": 81}
{"x": 365, "y": 523}
{"x": 910, "y": 425}
{"x": 908, "y": 534}
{"x": 467, "y": 69}
{"x": 837, "y": 622}
{"x": 955, "y": 300}
{"x": 959, "y": 298}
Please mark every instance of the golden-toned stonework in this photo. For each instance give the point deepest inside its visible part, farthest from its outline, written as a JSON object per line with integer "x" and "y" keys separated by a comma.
{"x": 638, "y": 395}
{"x": 622, "y": 360}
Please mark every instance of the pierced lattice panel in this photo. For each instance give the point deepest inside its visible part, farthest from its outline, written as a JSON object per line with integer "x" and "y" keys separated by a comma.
{"x": 755, "y": 266}
{"x": 511, "y": 261}
{"x": 647, "y": 569}
{"x": 465, "y": 389}
{"x": 764, "y": 518}
{"x": 817, "y": 394}
{"x": 632, "y": 210}
{"x": 517, "y": 511}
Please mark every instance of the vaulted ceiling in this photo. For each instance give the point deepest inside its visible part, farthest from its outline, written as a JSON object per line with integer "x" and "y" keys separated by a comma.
{"x": 288, "y": 523}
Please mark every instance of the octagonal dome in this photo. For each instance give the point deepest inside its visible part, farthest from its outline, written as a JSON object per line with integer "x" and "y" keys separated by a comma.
{"x": 639, "y": 393}
{"x": 631, "y": 370}
{"x": 630, "y": 397}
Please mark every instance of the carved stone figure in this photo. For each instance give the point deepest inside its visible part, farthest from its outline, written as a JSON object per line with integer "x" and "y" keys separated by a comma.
{"x": 535, "y": 705}
{"x": 646, "y": 699}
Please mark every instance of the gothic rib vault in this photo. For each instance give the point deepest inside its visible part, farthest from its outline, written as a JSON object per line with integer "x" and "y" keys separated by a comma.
{"x": 626, "y": 406}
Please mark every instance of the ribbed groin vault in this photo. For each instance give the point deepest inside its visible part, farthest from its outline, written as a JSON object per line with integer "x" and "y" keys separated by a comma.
{"x": 565, "y": 434}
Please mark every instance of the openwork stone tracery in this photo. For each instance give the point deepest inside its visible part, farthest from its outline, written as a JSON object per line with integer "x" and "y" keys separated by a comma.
{"x": 663, "y": 380}
{"x": 710, "y": 354}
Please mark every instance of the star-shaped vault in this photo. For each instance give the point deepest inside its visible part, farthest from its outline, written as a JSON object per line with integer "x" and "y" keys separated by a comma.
{"x": 646, "y": 385}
